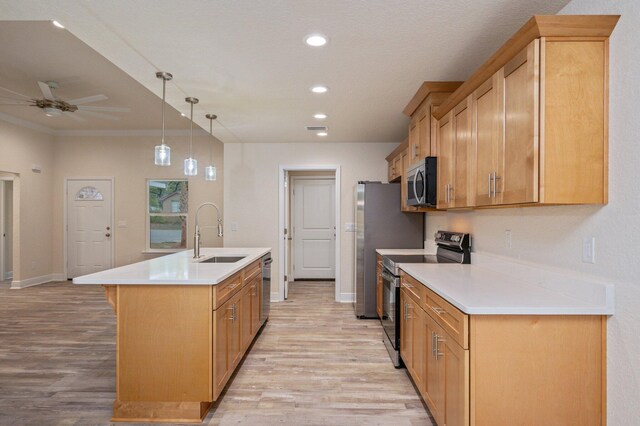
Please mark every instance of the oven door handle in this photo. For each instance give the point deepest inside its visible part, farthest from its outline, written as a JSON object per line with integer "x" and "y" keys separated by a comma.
{"x": 395, "y": 281}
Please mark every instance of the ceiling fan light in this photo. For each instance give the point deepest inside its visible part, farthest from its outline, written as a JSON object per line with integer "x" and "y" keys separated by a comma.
{"x": 190, "y": 167}
{"x": 57, "y": 24}
{"x": 163, "y": 155}
{"x": 51, "y": 112}
{"x": 210, "y": 173}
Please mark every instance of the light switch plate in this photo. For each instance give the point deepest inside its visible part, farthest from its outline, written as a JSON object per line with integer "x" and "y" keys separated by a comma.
{"x": 234, "y": 226}
{"x": 589, "y": 249}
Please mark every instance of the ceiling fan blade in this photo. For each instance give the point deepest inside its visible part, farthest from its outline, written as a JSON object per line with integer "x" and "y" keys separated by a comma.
{"x": 5, "y": 103}
{"x": 46, "y": 91}
{"x": 73, "y": 116}
{"x": 88, "y": 99}
{"x": 8, "y": 99}
{"x": 15, "y": 93}
{"x": 100, "y": 115}
{"x": 104, "y": 109}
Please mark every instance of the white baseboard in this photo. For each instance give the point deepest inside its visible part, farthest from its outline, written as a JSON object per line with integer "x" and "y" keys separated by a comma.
{"x": 347, "y": 297}
{"x": 29, "y": 282}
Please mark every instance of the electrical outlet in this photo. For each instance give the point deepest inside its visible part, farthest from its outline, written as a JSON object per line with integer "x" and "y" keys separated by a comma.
{"x": 507, "y": 239}
{"x": 589, "y": 249}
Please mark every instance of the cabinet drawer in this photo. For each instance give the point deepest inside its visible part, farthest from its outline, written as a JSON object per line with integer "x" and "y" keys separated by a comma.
{"x": 223, "y": 291}
{"x": 251, "y": 271}
{"x": 415, "y": 289}
{"x": 454, "y": 321}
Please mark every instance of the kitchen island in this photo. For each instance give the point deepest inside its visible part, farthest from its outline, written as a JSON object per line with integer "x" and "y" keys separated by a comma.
{"x": 182, "y": 327}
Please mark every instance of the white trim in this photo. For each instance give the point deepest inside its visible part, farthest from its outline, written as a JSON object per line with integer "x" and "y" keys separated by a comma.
{"x": 15, "y": 229}
{"x": 281, "y": 222}
{"x": 29, "y": 282}
{"x": 8, "y": 275}
{"x": 347, "y": 297}
{"x": 64, "y": 219}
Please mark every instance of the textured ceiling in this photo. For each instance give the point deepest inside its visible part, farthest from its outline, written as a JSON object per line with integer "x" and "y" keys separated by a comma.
{"x": 38, "y": 51}
{"x": 247, "y": 62}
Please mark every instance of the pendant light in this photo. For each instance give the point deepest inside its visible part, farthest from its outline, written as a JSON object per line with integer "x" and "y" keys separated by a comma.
{"x": 163, "y": 152}
{"x": 191, "y": 164}
{"x": 210, "y": 170}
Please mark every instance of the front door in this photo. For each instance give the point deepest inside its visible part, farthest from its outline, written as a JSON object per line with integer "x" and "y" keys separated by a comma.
{"x": 89, "y": 226}
{"x": 314, "y": 228}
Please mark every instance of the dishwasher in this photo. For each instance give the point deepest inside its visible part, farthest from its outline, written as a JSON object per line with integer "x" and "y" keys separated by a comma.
{"x": 266, "y": 288}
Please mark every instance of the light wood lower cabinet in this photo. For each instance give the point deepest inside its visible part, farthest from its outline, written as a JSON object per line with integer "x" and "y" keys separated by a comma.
{"x": 502, "y": 369}
{"x": 178, "y": 345}
{"x": 379, "y": 288}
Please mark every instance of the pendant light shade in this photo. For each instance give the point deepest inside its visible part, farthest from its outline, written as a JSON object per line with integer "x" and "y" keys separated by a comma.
{"x": 162, "y": 155}
{"x": 191, "y": 164}
{"x": 210, "y": 173}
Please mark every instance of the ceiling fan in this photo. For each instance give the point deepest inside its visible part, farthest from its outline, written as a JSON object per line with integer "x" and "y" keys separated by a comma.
{"x": 53, "y": 106}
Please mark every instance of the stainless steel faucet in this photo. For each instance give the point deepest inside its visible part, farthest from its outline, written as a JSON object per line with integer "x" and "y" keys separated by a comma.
{"x": 196, "y": 237}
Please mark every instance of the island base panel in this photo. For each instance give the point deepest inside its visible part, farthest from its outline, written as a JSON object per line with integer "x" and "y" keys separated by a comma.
{"x": 145, "y": 411}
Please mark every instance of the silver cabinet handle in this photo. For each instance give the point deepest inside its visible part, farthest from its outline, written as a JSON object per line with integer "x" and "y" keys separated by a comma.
{"x": 446, "y": 193}
{"x": 438, "y": 341}
{"x": 230, "y": 308}
{"x": 433, "y": 343}
{"x": 495, "y": 178}
{"x": 450, "y": 193}
{"x": 489, "y": 185}
{"x": 405, "y": 311}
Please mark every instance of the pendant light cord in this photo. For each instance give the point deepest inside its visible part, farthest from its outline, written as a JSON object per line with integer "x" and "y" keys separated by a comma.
{"x": 164, "y": 88}
{"x": 191, "y": 138}
{"x": 211, "y": 146}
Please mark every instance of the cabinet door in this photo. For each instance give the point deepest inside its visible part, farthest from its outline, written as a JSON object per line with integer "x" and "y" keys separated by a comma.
{"x": 221, "y": 321}
{"x": 458, "y": 192}
{"x": 244, "y": 318}
{"x": 519, "y": 81}
{"x": 379, "y": 289}
{"x": 486, "y": 136}
{"x": 445, "y": 160}
{"x": 419, "y": 347}
{"x": 256, "y": 304}
{"x": 414, "y": 139}
{"x": 424, "y": 133}
{"x": 456, "y": 381}
{"x": 406, "y": 350}
{"x": 434, "y": 382}
{"x": 234, "y": 341}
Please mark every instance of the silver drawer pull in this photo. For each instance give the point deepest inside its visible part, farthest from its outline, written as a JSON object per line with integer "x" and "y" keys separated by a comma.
{"x": 438, "y": 311}
{"x": 438, "y": 341}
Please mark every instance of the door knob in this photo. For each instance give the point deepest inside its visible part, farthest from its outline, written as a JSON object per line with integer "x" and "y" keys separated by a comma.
{"x": 107, "y": 234}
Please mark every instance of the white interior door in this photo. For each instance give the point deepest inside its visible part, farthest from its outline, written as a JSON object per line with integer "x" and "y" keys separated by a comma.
{"x": 6, "y": 230}
{"x": 314, "y": 228}
{"x": 89, "y": 226}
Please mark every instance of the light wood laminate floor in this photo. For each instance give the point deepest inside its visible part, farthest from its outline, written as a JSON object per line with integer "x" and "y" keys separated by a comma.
{"x": 313, "y": 364}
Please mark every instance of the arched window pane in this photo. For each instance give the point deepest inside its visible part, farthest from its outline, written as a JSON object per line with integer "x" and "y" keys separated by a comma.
{"x": 89, "y": 193}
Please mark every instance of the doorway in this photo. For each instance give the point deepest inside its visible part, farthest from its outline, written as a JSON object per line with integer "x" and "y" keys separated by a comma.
{"x": 6, "y": 229}
{"x": 89, "y": 226}
{"x": 309, "y": 218}
{"x": 312, "y": 225}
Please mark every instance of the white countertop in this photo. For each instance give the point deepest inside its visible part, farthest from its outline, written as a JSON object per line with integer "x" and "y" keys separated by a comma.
{"x": 178, "y": 268}
{"x": 393, "y": 252}
{"x": 497, "y": 286}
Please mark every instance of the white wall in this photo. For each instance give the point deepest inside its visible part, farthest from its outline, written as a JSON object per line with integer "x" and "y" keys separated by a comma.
{"x": 20, "y": 148}
{"x": 129, "y": 159}
{"x": 553, "y": 235}
{"x": 251, "y": 192}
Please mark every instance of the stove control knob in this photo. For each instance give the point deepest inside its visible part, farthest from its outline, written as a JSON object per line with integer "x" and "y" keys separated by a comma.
{"x": 438, "y": 235}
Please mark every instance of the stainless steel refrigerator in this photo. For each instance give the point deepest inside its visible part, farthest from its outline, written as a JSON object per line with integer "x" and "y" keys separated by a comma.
{"x": 379, "y": 225}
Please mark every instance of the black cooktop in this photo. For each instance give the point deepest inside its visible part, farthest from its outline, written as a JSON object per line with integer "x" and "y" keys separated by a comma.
{"x": 418, "y": 258}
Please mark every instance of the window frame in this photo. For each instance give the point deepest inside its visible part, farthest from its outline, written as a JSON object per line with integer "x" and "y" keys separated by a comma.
{"x": 148, "y": 215}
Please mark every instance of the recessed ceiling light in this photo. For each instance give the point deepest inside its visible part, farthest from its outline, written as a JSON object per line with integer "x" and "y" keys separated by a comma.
{"x": 315, "y": 40}
{"x": 319, "y": 89}
{"x": 57, "y": 24}
{"x": 322, "y": 133}
{"x": 320, "y": 116}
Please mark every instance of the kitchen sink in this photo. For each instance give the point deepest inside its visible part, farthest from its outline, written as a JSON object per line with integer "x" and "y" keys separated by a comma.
{"x": 223, "y": 259}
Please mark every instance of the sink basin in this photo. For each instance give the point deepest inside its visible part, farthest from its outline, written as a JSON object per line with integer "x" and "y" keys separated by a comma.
{"x": 223, "y": 259}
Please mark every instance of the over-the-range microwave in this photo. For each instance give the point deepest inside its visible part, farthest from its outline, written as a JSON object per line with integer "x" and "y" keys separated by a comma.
{"x": 421, "y": 183}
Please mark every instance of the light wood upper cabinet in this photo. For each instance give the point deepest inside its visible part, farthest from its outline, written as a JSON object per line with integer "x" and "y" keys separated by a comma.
{"x": 539, "y": 118}
{"x": 454, "y": 145}
{"x": 395, "y": 162}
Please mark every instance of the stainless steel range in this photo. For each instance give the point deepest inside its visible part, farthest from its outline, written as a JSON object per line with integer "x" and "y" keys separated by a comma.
{"x": 453, "y": 248}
